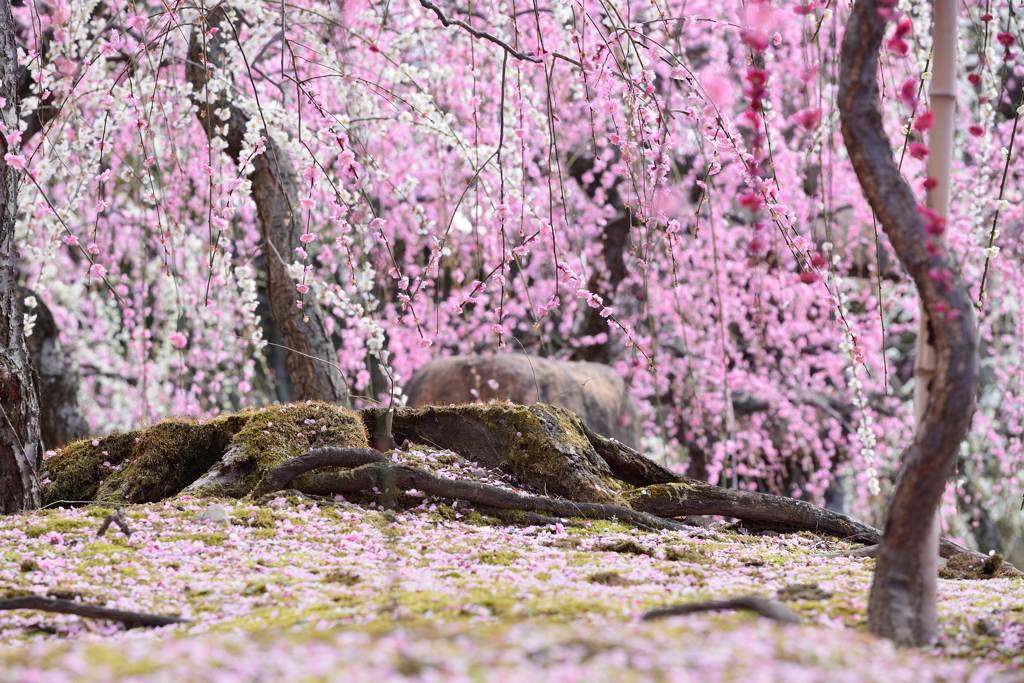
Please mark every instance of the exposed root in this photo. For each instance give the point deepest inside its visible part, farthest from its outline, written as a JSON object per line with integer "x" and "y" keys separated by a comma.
{"x": 776, "y": 513}
{"x": 627, "y": 464}
{"x": 385, "y": 476}
{"x": 766, "y": 608}
{"x": 523, "y": 518}
{"x": 279, "y": 477}
{"x": 129, "y": 619}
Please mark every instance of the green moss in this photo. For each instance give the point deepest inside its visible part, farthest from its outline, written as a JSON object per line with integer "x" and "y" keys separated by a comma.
{"x": 158, "y": 462}
{"x": 279, "y": 433}
{"x": 115, "y": 544}
{"x": 626, "y": 546}
{"x": 498, "y": 557}
{"x": 78, "y": 469}
{"x": 169, "y": 456}
{"x": 343, "y": 577}
{"x": 969, "y": 566}
{"x": 262, "y": 519}
{"x": 215, "y": 538}
{"x": 543, "y": 445}
{"x": 686, "y": 555}
{"x": 61, "y": 526}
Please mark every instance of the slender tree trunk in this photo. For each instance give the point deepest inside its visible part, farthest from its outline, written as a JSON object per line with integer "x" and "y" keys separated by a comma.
{"x": 942, "y": 95}
{"x": 902, "y": 603}
{"x": 275, "y": 192}
{"x": 20, "y": 451}
{"x": 60, "y": 417}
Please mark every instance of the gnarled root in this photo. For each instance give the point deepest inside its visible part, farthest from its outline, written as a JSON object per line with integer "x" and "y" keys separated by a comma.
{"x": 382, "y": 474}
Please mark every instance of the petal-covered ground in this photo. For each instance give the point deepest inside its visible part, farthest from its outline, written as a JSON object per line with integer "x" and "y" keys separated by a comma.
{"x": 293, "y": 590}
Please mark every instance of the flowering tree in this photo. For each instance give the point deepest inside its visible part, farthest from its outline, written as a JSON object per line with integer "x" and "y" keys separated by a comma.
{"x": 903, "y": 594}
{"x": 664, "y": 188}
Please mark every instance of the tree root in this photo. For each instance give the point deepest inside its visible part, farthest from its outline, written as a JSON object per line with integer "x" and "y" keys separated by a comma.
{"x": 776, "y": 513}
{"x": 129, "y": 619}
{"x": 766, "y": 608}
{"x": 522, "y": 517}
{"x": 382, "y": 474}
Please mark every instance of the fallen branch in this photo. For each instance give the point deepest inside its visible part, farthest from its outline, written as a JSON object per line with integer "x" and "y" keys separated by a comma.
{"x": 129, "y": 619}
{"x": 766, "y": 608}
{"x": 384, "y": 475}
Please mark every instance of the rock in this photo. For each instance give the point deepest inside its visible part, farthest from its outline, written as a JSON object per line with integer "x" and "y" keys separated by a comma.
{"x": 595, "y": 392}
{"x": 215, "y": 513}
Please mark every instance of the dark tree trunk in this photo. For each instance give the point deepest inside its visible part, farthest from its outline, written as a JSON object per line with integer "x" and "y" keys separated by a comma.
{"x": 275, "y": 192}
{"x": 60, "y": 417}
{"x": 20, "y": 452}
{"x": 902, "y": 603}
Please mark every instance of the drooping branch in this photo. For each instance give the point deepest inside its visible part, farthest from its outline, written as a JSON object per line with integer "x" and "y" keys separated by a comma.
{"x": 275, "y": 191}
{"x": 902, "y": 604}
{"x": 81, "y": 609}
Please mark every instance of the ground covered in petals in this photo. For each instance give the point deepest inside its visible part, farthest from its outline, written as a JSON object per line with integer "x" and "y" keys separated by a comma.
{"x": 313, "y": 591}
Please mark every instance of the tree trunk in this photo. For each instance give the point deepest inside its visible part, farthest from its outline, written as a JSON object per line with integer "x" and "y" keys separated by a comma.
{"x": 275, "y": 191}
{"x": 60, "y": 418}
{"x": 20, "y": 452}
{"x": 902, "y": 603}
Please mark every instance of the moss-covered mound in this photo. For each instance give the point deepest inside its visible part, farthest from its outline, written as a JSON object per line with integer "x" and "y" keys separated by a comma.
{"x": 274, "y": 435}
{"x": 227, "y": 455}
{"x": 544, "y": 446}
{"x": 78, "y": 470}
{"x": 169, "y": 456}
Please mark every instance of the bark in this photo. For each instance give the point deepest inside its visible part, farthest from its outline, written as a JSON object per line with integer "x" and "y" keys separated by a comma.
{"x": 902, "y": 603}
{"x": 605, "y": 277}
{"x": 275, "y": 191}
{"x": 61, "y": 420}
{"x": 20, "y": 448}
{"x": 89, "y": 611}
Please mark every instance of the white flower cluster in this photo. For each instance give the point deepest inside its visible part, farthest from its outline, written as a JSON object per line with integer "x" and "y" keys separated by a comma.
{"x": 864, "y": 431}
{"x": 247, "y": 304}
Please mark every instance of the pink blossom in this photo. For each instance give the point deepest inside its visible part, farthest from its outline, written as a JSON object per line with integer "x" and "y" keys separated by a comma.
{"x": 918, "y": 150}
{"x": 178, "y": 339}
{"x": 306, "y": 238}
{"x": 302, "y": 288}
{"x": 924, "y": 122}
{"x": 15, "y": 161}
